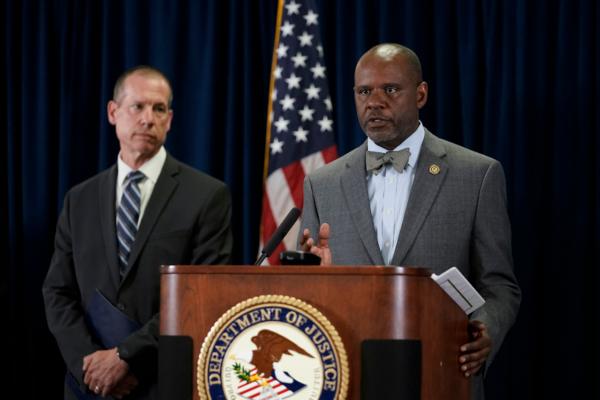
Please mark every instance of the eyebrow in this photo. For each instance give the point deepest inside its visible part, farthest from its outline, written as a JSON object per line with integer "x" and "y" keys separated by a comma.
{"x": 383, "y": 85}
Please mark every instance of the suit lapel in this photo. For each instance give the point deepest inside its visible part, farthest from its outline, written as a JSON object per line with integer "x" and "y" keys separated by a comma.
{"x": 423, "y": 193}
{"x": 106, "y": 203}
{"x": 354, "y": 185}
{"x": 164, "y": 188}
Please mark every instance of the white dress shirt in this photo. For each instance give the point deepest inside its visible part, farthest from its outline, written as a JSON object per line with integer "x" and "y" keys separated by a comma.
{"x": 389, "y": 191}
{"x": 151, "y": 170}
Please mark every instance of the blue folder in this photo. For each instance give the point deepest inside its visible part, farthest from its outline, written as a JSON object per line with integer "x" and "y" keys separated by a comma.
{"x": 109, "y": 326}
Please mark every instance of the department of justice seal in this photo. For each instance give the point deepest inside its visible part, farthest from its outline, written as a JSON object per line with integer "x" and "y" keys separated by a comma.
{"x": 270, "y": 348}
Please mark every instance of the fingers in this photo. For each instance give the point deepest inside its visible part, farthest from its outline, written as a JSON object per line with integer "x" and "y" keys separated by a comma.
{"x": 471, "y": 368}
{"x": 324, "y": 253}
{"x": 305, "y": 236}
{"x": 105, "y": 391}
{"x": 476, "y": 345}
{"x": 87, "y": 361}
{"x": 475, "y": 356}
{"x": 476, "y": 352}
{"x": 117, "y": 389}
{"x": 480, "y": 337}
{"x": 306, "y": 242}
{"x": 321, "y": 248}
{"x": 324, "y": 232}
{"x": 477, "y": 329}
{"x": 317, "y": 251}
{"x": 97, "y": 387}
{"x": 103, "y": 371}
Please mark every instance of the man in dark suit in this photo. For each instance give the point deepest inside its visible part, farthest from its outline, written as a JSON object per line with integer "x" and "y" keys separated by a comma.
{"x": 430, "y": 203}
{"x": 115, "y": 231}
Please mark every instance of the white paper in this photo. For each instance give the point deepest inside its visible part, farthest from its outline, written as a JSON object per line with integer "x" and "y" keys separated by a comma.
{"x": 453, "y": 282}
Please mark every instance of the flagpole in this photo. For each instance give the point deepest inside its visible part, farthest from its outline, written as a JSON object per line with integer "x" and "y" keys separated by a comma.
{"x": 270, "y": 106}
{"x": 271, "y": 87}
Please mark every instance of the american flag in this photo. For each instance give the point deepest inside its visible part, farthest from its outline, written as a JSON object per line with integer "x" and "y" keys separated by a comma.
{"x": 263, "y": 389}
{"x": 300, "y": 135}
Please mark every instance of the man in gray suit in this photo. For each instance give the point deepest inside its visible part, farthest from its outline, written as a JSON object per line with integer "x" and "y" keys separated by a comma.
{"x": 115, "y": 231}
{"x": 406, "y": 197}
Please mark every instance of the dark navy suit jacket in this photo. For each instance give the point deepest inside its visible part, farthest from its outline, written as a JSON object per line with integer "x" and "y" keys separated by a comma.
{"x": 186, "y": 221}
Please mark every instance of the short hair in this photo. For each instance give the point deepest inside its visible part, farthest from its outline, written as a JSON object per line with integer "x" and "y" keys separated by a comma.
{"x": 144, "y": 70}
{"x": 390, "y": 50}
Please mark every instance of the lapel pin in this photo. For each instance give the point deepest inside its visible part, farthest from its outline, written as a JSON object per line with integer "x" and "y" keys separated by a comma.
{"x": 434, "y": 169}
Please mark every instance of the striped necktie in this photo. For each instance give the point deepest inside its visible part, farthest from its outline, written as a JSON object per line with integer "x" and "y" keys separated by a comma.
{"x": 127, "y": 217}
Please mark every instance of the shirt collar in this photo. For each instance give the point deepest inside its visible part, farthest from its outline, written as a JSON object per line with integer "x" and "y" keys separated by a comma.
{"x": 150, "y": 168}
{"x": 413, "y": 142}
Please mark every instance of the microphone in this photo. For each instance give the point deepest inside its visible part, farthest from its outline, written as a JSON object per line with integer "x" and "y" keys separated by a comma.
{"x": 279, "y": 234}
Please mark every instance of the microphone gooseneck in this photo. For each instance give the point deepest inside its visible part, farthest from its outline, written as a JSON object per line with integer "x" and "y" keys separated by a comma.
{"x": 279, "y": 234}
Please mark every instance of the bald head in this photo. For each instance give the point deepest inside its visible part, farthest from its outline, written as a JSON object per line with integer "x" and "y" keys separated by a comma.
{"x": 392, "y": 51}
{"x": 142, "y": 70}
{"x": 389, "y": 92}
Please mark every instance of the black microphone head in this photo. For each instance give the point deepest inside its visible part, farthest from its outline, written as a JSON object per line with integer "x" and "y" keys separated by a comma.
{"x": 297, "y": 257}
{"x": 281, "y": 231}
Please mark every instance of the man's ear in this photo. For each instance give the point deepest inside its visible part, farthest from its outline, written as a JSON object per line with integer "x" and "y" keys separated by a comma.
{"x": 111, "y": 109}
{"x": 422, "y": 91}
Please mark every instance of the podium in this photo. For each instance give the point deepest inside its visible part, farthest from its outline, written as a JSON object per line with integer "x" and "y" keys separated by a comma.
{"x": 363, "y": 303}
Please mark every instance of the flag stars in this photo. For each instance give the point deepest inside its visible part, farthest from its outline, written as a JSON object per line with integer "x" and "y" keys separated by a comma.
{"x": 299, "y": 60}
{"x": 287, "y": 29}
{"x": 301, "y": 135}
{"x": 293, "y": 8}
{"x": 312, "y": 92}
{"x": 287, "y": 103}
{"x": 276, "y": 146}
{"x": 278, "y": 71}
{"x": 300, "y": 127}
{"x": 274, "y": 95}
{"x": 311, "y": 18}
{"x": 326, "y": 124}
{"x": 305, "y": 39}
{"x": 318, "y": 71}
{"x": 282, "y": 51}
{"x": 293, "y": 81}
{"x": 282, "y": 124}
{"x": 306, "y": 114}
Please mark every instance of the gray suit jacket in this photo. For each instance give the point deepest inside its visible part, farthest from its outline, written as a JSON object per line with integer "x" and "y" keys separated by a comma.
{"x": 187, "y": 221}
{"x": 457, "y": 217}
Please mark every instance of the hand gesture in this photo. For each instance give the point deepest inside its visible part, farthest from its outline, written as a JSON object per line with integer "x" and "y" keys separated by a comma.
{"x": 321, "y": 247}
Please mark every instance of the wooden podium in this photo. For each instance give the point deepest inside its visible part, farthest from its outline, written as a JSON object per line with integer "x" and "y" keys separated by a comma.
{"x": 362, "y": 302}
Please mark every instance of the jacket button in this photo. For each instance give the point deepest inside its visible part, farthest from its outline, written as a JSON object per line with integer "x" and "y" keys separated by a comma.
{"x": 121, "y": 306}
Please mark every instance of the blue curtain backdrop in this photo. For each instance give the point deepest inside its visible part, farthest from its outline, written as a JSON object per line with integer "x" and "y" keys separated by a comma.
{"x": 516, "y": 80}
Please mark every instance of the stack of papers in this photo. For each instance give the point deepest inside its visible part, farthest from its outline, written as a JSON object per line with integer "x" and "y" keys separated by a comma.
{"x": 459, "y": 289}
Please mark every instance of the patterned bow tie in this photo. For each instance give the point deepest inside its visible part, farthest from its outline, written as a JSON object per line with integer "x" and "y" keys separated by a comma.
{"x": 376, "y": 160}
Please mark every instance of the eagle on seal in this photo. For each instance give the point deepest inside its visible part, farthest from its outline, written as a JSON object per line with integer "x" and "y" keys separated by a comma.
{"x": 270, "y": 347}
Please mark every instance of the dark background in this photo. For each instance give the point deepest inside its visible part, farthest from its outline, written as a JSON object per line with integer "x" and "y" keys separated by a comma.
{"x": 516, "y": 80}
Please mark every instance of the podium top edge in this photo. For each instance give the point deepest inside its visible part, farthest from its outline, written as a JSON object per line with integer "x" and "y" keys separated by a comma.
{"x": 296, "y": 270}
